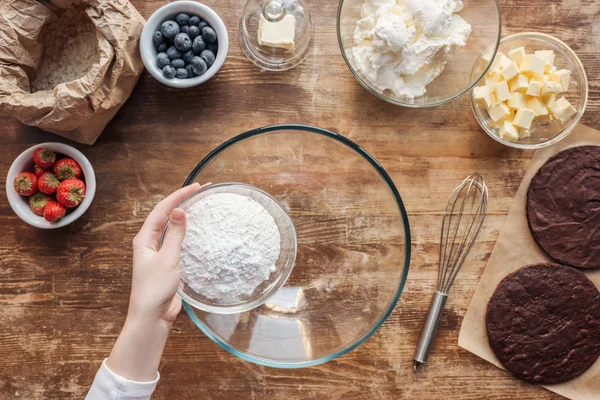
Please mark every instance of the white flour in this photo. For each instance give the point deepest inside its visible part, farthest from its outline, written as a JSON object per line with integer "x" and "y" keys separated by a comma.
{"x": 230, "y": 247}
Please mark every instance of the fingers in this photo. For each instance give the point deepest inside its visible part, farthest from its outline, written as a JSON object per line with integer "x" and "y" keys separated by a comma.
{"x": 149, "y": 235}
{"x": 174, "y": 237}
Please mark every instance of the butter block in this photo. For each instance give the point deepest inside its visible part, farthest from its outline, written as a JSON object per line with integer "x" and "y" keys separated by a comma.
{"x": 547, "y": 56}
{"x": 517, "y": 55}
{"x": 496, "y": 64}
{"x": 519, "y": 83}
{"x": 504, "y": 61}
{"x": 549, "y": 100}
{"x": 482, "y": 97}
{"x": 533, "y": 64}
{"x": 507, "y": 131}
{"x": 563, "y": 76}
{"x": 537, "y": 106}
{"x": 278, "y": 34}
{"x": 502, "y": 91}
{"x": 551, "y": 87}
{"x": 498, "y": 111}
{"x": 563, "y": 110}
{"x": 510, "y": 71}
{"x": 524, "y": 118}
{"x": 492, "y": 79}
{"x": 517, "y": 100}
{"x": 534, "y": 89}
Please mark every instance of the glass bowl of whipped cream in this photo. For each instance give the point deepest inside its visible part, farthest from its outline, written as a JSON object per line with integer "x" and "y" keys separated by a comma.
{"x": 239, "y": 248}
{"x": 417, "y": 53}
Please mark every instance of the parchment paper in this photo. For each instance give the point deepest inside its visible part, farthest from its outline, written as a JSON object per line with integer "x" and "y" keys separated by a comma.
{"x": 514, "y": 249}
{"x": 81, "y": 109}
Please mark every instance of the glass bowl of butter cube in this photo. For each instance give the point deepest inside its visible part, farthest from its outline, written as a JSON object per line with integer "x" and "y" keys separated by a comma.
{"x": 534, "y": 93}
{"x": 276, "y": 35}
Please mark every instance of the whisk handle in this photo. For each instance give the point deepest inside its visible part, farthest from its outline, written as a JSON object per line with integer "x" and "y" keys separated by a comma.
{"x": 438, "y": 302}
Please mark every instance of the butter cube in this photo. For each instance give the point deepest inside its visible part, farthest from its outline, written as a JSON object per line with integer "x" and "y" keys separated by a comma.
{"x": 482, "y": 97}
{"x": 508, "y": 132}
{"x": 535, "y": 88}
{"x": 492, "y": 79}
{"x": 496, "y": 64}
{"x": 547, "y": 56}
{"x": 549, "y": 100}
{"x": 487, "y": 56}
{"x": 563, "y": 76}
{"x": 502, "y": 91}
{"x": 532, "y": 64}
{"x": 517, "y": 100}
{"x": 498, "y": 111}
{"x": 536, "y": 105}
{"x": 563, "y": 110}
{"x": 551, "y": 87}
{"x": 510, "y": 71}
{"x": 524, "y": 118}
{"x": 504, "y": 61}
{"x": 519, "y": 83}
{"x": 517, "y": 55}
{"x": 278, "y": 34}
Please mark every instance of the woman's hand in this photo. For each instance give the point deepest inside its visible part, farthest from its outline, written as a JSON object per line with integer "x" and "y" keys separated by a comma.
{"x": 153, "y": 304}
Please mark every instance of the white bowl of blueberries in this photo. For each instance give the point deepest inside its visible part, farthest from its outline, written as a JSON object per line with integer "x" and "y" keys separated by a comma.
{"x": 184, "y": 44}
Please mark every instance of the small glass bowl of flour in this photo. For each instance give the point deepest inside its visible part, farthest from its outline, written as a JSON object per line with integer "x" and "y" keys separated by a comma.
{"x": 239, "y": 248}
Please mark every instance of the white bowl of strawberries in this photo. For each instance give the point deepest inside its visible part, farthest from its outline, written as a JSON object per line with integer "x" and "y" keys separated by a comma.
{"x": 50, "y": 185}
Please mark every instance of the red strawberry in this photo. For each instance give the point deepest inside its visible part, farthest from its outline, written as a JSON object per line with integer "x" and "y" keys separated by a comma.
{"x": 25, "y": 184}
{"x": 47, "y": 183}
{"x": 67, "y": 168}
{"x": 38, "y": 202}
{"x": 70, "y": 193}
{"x": 44, "y": 158}
{"x": 39, "y": 171}
{"x": 54, "y": 211}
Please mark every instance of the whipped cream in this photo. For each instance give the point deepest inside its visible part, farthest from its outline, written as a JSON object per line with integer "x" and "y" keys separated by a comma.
{"x": 403, "y": 45}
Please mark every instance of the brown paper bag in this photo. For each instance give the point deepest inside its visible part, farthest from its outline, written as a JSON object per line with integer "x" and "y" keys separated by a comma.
{"x": 514, "y": 249}
{"x": 80, "y": 109}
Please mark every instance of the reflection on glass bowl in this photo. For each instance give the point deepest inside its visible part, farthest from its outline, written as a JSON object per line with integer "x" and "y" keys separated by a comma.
{"x": 353, "y": 245}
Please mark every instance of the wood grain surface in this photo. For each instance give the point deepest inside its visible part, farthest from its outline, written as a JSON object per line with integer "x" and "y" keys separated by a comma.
{"x": 64, "y": 294}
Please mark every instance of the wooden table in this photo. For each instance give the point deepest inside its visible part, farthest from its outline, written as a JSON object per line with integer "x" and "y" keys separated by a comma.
{"x": 64, "y": 294}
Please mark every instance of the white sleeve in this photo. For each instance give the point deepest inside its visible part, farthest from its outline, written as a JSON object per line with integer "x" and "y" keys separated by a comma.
{"x": 110, "y": 386}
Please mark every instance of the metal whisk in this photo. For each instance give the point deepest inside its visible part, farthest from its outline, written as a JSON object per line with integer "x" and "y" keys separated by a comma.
{"x": 463, "y": 218}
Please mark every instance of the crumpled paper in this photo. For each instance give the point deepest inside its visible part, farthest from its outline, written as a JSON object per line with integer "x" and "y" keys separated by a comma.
{"x": 81, "y": 109}
{"x": 514, "y": 249}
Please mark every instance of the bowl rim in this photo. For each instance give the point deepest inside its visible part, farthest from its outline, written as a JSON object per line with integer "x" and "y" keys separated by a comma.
{"x": 414, "y": 105}
{"x": 146, "y": 48}
{"x": 570, "y": 127}
{"x": 401, "y": 208}
{"x": 279, "y": 282}
{"x": 86, "y": 168}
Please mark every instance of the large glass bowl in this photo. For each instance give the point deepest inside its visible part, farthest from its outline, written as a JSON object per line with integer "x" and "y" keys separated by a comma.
{"x": 542, "y": 134}
{"x": 456, "y": 79}
{"x": 353, "y": 245}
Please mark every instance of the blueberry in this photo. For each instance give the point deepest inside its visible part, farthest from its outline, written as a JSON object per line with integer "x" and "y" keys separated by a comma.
{"x": 173, "y": 53}
{"x": 162, "y": 60}
{"x": 161, "y": 48}
{"x": 213, "y": 47}
{"x": 181, "y": 73}
{"x": 169, "y": 29}
{"x": 199, "y": 45}
{"x": 187, "y": 56}
{"x": 190, "y": 71}
{"x": 193, "y": 31}
{"x": 158, "y": 38}
{"x": 169, "y": 72}
{"x": 209, "y": 35}
{"x": 182, "y": 42}
{"x": 199, "y": 65}
{"x": 194, "y": 20}
{"x": 208, "y": 56}
{"x": 178, "y": 63}
{"x": 201, "y": 25}
{"x": 185, "y": 29}
{"x": 182, "y": 18}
